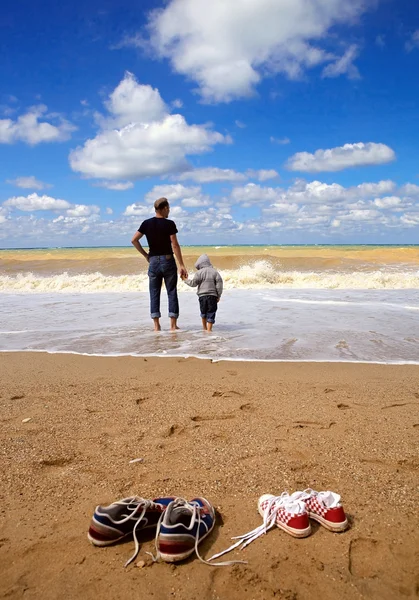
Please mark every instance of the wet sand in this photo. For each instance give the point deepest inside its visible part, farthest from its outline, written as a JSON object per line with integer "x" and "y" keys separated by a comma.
{"x": 229, "y": 431}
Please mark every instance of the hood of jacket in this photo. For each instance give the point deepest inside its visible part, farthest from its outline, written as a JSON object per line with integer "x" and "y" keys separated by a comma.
{"x": 202, "y": 262}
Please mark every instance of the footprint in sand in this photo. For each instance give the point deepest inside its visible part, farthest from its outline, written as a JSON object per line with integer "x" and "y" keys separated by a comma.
{"x": 313, "y": 424}
{"x": 58, "y": 461}
{"x": 18, "y": 397}
{"x": 198, "y": 418}
{"x": 368, "y": 557}
{"x": 343, "y": 406}
{"x": 172, "y": 430}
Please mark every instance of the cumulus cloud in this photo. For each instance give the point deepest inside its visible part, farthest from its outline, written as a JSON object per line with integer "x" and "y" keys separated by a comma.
{"x": 34, "y": 202}
{"x": 30, "y": 183}
{"x": 190, "y": 197}
{"x": 29, "y": 128}
{"x": 228, "y": 47}
{"x": 263, "y": 174}
{"x": 344, "y": 65}
{"x": 211, "y": 174}
{"x": 139, "y": 138}
{"x": 342, "y": 157}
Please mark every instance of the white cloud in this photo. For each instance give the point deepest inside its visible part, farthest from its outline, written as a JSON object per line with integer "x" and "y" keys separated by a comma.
{"x": 33, "y": 202}
{"x": 240, "y": 124}
{"x": 30, "y": 182}
{"x": 171, "y": 191}
{"x": 148, "y": 141}
{"x": 119, "y": 186}
{"x": 413, "y": 41}
{"x": 211, "y": 174}
{"x": 344, "y": 65}
{"x": 254, "y": 194}
{"x": 262, "y": 174}
{"x": 281, "y": 141}
{"x": 109, "y": 211}
{"x": 190, "y": 197}
{"x": 138, "y": 210}
{"x": 388, "y": 202}
{"x": 410, "y": 189}
{"x": 177, "y": 103}
{"x": 82, "y": 210}
{"x": 228, "y": 47}
{"x": 29, "y": 129}
{"x": 342, "y": 157}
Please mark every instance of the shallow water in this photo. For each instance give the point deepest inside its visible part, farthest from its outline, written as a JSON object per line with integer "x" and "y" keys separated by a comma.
{"x": 281, "y": 325}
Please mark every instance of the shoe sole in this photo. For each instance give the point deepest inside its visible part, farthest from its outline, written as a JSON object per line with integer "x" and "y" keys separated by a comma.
{"x": 335, "y": 527}
{"x": 296, "y": 533}
{"x": 171, "y": 558}
{"x": 102, "y": 543}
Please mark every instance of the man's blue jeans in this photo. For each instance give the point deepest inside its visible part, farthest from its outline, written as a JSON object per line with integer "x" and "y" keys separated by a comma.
{"x": 163, "y": 268}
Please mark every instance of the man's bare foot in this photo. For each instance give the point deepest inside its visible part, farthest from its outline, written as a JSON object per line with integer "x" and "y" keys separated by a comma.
{"x": 173, "y": 324}
{"x": 156, "y": 324}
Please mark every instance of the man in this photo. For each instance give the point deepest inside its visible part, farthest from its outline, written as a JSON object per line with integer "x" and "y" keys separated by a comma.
{"x": 162, "y": 243}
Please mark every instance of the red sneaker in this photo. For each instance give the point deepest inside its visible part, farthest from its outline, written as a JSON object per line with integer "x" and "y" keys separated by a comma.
{"x": 290, "y": 514}
{"x": 325, "y": 508}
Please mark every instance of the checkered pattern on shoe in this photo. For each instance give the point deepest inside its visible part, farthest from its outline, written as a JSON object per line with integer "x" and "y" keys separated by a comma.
{"x": 282, "y": 515}
{"x": 314, "y": 506}
{"x": 325, "y": 508}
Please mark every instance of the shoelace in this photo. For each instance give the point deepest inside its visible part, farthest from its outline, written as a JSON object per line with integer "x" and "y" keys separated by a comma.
{"x": 289, "y": 503}
{"x": 195, "y": 510}
{"x": 144, "y": 505}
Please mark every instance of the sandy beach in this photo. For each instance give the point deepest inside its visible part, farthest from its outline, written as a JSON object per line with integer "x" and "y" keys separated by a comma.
{"x": 229, "y": 431}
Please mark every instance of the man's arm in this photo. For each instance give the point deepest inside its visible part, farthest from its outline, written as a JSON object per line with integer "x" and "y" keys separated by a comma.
{"x": 136, "y": 242}
{"x": 178, "y": 253}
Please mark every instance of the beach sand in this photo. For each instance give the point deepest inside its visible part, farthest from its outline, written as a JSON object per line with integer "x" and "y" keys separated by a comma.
{"x": 228, "y": 431}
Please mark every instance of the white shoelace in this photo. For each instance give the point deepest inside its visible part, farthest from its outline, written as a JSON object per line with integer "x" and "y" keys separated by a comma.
{"x": 144, "y": 504}
{"x": 195, "y": 511}
{"x": 291, "y": 504}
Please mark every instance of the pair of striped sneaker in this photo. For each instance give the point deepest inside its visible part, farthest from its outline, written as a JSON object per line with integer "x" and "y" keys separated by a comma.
{"x": 180, "y": 525}
{"x": 292, "y": 513}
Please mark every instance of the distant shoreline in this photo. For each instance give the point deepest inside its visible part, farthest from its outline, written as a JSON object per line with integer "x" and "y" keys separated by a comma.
{"x": 222, "y": 246}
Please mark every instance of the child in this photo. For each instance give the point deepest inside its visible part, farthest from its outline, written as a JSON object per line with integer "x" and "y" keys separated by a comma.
{"x": 210, "y": 287}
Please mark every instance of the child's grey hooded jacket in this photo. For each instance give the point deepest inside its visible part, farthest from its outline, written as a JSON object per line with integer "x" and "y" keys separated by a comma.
{"x": 207, "y": 279}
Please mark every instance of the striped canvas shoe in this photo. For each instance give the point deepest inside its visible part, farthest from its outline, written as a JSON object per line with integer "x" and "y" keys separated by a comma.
{"x": 123, "y": 519}
{"x": 183, "y": 527}
{"x": 325, "y": 508}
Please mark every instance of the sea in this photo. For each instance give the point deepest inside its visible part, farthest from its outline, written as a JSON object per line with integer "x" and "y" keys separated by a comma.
{"x": 281, "y": 303}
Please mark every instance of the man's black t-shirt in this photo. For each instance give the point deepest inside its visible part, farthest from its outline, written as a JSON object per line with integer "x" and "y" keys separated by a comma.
{"x": 158, "y": 232}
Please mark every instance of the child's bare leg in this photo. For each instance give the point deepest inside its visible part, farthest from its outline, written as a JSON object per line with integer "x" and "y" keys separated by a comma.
{"x": 209, "y": 326}
{"x": 156, "y": 324}
{"x": 204, "y": 323}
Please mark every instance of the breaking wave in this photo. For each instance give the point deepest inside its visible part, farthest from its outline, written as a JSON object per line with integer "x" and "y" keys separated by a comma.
{"x": 259, "y": 275}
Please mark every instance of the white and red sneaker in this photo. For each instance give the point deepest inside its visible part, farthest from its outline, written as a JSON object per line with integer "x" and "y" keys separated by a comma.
{"x": 325, "y": 508}
{"x": 286, "y": 512}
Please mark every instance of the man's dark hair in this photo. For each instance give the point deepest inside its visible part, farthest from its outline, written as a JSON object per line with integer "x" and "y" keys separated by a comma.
{"x": 161, "y": 203}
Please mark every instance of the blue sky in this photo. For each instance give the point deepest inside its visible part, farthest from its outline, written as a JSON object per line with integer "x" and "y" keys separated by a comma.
{"x": 262, "y": 121}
